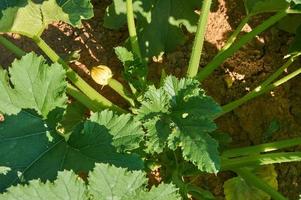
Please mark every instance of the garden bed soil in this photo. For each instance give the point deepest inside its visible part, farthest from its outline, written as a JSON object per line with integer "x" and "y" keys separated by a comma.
{"x": 247, "y": 124}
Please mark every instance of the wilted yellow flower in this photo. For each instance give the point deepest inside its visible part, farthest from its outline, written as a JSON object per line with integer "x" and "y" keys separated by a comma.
{"x": 101, "y": 74}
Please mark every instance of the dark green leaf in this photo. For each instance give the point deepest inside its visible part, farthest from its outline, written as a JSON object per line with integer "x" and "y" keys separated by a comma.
{"x": 295, "y": 47}
{"x": 254, "y": 7}
{"x": 32, "y": 149}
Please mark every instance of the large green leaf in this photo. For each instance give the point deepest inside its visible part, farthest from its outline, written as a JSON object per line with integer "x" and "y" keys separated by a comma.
{"x": 30, "y": 18}
{"x": 104, "y": 182}
{"x": 31, "y": 148}
{"x": 261, "y": 6}
{"x": 159, "y": 22}
{"x": 237, "y": 188}
{"x": 32, "y": 84}
{"x": 180, "y": 115}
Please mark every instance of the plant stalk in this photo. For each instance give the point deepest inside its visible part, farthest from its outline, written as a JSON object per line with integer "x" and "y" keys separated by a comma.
{"x": 132, "y": 28}
{"x": 260, "y": 184}
{"x": 75, "y": 78}
{"x": 119, "y": 88}
{"x": 262, "y": 148}
{"x": 260, "y": 159}
{"x": 261, "y": 89}
{"x": 234, "y": 35}
{"x": 220, "y": 58}
{"x": 199, "y": 40}
{"x": 83, "y": 99}
{"x": 12, "y": 47}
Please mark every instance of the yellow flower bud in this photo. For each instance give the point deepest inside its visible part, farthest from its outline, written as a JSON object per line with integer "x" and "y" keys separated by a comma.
{"x": 101, "y": 74}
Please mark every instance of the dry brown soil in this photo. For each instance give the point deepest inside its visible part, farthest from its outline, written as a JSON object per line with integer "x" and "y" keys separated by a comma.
{"x": 247, "y": 68}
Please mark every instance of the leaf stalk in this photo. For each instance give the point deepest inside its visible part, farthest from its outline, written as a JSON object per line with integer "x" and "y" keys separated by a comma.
{"x": 199, "y": 40}
{"x": 220, "y": 58}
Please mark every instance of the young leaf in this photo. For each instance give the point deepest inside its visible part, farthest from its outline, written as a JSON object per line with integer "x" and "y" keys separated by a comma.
{"x": 32, "y": 85}
{"x": 180, "y": 115}
{"x": 67, "y": 186}
{"x": 237, "y": 188}
{"x": 134, "y": 71}
{"x": 31, "y": 148}
{"x": 30, "y": 18}
{"x": 159, "y": 22}
{"x": 104, "y": 182}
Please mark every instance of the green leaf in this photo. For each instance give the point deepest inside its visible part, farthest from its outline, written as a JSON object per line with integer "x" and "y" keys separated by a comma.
{"x": 30, "y": 18}
{"x": 254, "y": 7}
{"x": 290, "y": 23}
{"x": 135, "y": 72}
{"x": 67, "y": 186}
{"x": 237, "y": 188}
{"x": 126, "y": 131}
{"x": 104, "y": 182}
{"x": 107, "y": 182}
{"x": 295, "y": 47}
{"x": 180, "y": 115}
{"x": 31, "y": 148}
{"x": 32, "y": 85}
{"x": 159, "y": 22}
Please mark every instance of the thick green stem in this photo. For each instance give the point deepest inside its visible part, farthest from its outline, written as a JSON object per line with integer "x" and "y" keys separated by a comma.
{"x": 266, "y": 86}
{"x": 262, "y": 148}
{"x": 199, "y": 40}
{"x": 119, "y": 88}
{"x": 260, "y": 159}
{"x": 83, "y": 99}
{"x": 75, "y": 78}
{"x": 220, "y": 58}
{"x": 259, "y": 183}
{"x": 132, "y": 28}
{"x": 12, "y": 47}
{"x": 234, "y": 35}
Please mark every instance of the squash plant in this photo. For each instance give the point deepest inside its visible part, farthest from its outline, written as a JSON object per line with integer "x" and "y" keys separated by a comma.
{"x": 50, "y": 148}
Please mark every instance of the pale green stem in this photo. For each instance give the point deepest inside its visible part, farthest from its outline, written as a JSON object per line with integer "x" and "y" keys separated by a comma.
{"x": 262, "y": 148}
{"x": 266, "y": 86}
{"x": 199, "y": 40}
{"x": 119, "y": 88}
{"x": 12, "y": 47}
{"x": 132, "y": 29}
{"x": 260, "y": 159}
{"x": 83, "y": 99}
{"x": 220, "y": 58}
{"x": 234, "y": 35}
